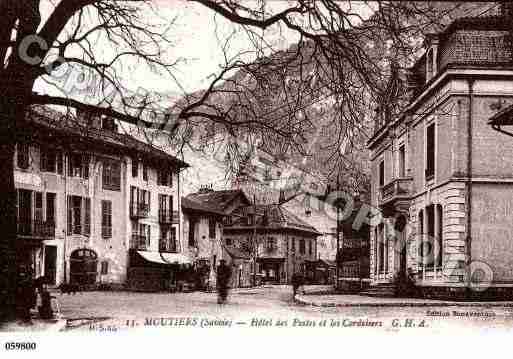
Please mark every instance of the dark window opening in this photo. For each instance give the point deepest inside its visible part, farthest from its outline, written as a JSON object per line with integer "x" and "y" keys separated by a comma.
{"x": 135, "y": 168}
{"x": 211, "y": 228}
{"x": 104, "y": 268}
{"x": 302, "y": 249}
{"x": 430, "y": 151}
{"x": 192, "y": 226}
{"x": 382, "y": 173}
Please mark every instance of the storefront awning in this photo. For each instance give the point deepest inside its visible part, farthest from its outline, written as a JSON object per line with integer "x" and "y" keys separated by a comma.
{"x": 153, "y": 257}
{"x": 176, "y": 258}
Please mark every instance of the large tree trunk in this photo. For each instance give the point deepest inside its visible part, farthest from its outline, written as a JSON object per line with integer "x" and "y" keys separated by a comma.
{"x": 12, "y": 108}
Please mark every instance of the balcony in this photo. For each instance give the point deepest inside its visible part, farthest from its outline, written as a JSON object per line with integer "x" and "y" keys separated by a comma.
{"x": 139, "y": 210}
{"x": 168, "y": 217}
{"x": 139, "y": 242}
{"x": 400, "y": 189}
{"x": 36, "y": 229}
{"x": 168, "y": 246}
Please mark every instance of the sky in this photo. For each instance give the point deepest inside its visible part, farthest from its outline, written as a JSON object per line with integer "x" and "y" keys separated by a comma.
{"x": 198, "y": 35}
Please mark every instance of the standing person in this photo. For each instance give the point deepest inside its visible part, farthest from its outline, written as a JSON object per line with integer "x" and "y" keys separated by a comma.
{"x": 297, "y": 281}
{"x": 224, "y": 273}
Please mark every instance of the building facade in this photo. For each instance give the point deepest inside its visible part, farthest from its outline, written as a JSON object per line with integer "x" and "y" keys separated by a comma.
{"x": 441, "y": 177}
{"x": 78, "y": 210}
{"x": 280, "y": 244}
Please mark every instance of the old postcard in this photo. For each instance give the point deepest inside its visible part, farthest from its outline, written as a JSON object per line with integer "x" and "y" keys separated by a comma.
{"x": 307, "y": 169}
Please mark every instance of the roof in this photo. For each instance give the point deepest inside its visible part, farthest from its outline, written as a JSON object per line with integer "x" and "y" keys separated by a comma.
{"x": 193, "y": 204}
{"x": 502, "y": 118}
{"x": 272, "y": 217}
{"x": 236, "y": 253}
{"x": 57, "y": 122}
{"x": 218, "y": 200}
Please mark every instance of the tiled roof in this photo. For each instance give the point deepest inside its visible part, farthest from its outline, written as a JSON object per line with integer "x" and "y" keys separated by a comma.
{"x": 59, "y": 122}
{"x": 192, "y": 204}
{"x": 273, "y": 217}
{"x": 236, "y": 253}
{"x": 216, "y": 199}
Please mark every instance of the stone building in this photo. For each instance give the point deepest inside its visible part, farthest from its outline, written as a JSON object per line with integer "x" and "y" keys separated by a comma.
{"x": 441, "y": 176}
{"x": 87, "y": 195}
{"x": 205, "y": 213}
{"x": 279, "y": 242}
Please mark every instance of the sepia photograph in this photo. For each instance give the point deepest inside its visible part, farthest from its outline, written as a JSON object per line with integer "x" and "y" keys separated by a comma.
{"x": 254, "y": 166}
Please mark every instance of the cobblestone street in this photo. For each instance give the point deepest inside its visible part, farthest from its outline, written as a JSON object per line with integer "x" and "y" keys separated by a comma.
{"x": 247, "y": 306}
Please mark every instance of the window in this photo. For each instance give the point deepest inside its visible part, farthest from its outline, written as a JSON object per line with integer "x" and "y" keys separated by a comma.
{"x": 402, "y": 162}
{"x": 167, "y": 241}
{"x": 430, "y": 151}
{"x": 106, "y": 219}
{"x": 382, "y": 173}
{"x": 192, "y": 226}
{"x": 293, "y": 246}
{"x": 429, "y": 65}
{"x": 145, "y": 172}
{"x": 164, "y": 178}
{"x": 50, "y": 207}
{"x": 104, "y": 268}
{"x": 228, "y": 241}
{"x": 140, "y": 236}
{"x": 165, "y": 208}
{"x": 139, "y": 202}
{"x": 78, "y": 165}
{"x": 111, "y": 175}
{"x": 48, "y": 159}
{"x": 271, "y": 244}
{"x": 79, "y": 215}
{"x": 428, "y": 243}
{"x": 211, "y": 228}
{"x": 23, "y": 155}
{"x": 302, "y": 246}
{"x": 310, "y": 247}
{"x": 135, "y": 168}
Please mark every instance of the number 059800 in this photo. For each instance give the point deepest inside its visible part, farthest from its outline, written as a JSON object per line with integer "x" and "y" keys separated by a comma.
{"x": 20, "y": 346}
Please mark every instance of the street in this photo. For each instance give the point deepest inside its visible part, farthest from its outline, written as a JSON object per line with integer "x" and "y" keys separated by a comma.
{"x": 264, "y": 307}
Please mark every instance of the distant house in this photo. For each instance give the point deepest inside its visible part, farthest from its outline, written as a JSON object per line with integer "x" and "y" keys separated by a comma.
{"x": 205, "y": 213}
{"x": 279, "y": 242}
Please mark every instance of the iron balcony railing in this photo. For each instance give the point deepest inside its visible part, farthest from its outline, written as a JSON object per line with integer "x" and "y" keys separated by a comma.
{"x": 399, "y": 188}
{"x": 36, "y": 228}
{"x": 139, "y": 242}
{"x": 139, "y": 210}
{"x": 169, "y": 246}
{"x": 168, "y": 216}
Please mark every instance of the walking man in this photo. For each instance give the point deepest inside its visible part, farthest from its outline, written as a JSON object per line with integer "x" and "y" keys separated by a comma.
{"x": 224, "y": 274}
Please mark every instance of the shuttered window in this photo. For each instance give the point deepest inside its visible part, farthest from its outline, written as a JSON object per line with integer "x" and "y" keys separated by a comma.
{"x": 106, "y": 219}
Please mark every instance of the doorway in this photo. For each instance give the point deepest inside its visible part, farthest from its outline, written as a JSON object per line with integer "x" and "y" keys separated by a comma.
{"x": 83, "y": 267}
{"x": 50, "y": 264}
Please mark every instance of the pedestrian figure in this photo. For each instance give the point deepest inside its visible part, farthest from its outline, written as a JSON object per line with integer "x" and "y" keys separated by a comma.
{"x": 224, "y": 274}
{"x": 297, "y": 281}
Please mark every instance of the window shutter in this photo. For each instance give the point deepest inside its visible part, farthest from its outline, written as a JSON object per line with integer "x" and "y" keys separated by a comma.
{"x": 87, "y": 217}
{"x": 70, "y": 216}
